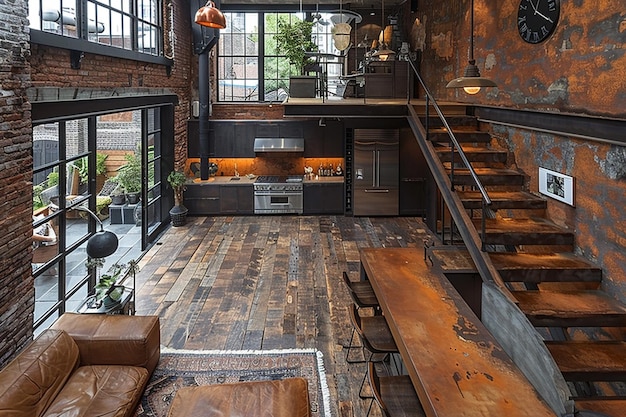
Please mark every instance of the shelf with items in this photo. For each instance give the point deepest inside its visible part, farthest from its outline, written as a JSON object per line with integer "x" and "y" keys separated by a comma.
{"x": 349, "y": 162}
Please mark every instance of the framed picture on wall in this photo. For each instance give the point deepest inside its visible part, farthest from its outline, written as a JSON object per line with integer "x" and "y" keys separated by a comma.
{"x": 556, "y": 185}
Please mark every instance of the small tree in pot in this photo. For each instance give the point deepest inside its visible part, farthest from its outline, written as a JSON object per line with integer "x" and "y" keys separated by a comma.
{"x": 178, "y": 213}
{"x": 294, "y": 41}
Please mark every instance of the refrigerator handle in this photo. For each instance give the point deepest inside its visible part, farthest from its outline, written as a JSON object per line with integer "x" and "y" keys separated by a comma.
{"x": 374, "y": 165}
{"x": 378, "y": 168}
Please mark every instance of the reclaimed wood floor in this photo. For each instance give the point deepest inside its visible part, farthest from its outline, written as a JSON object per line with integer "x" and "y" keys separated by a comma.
{"x": 267, "y": 282}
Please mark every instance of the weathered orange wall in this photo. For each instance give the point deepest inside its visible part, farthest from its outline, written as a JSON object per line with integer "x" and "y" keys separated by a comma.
{"x": 580, "y": 69}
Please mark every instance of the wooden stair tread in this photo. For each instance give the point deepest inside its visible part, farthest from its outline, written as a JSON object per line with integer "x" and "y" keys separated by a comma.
{"x": 523, "y": 231}
{"x": 521, "y": 267}
{"x": 474, "y": 154}
{"x": 614, "y": 407}
{"x": 462, "y": 136}
{"x": 590, "y": 360}
{"x": 572, "y": 308}
{"x": 488, "y": 176}
{"x": 503, "y": 200}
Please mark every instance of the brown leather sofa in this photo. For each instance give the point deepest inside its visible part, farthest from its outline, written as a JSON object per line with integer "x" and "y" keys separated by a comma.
{"x": 84, "y": 365}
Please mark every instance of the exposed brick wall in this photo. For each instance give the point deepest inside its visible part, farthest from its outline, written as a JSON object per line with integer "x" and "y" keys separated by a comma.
{"x": 16, "y": 286}
{"x": 50, "y": 67}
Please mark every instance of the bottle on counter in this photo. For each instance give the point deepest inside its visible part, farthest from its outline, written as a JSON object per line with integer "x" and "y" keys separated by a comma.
{"x": 339, "y": 170}
{"x": 320, "y": 170}
{"x": 331, "y": 170}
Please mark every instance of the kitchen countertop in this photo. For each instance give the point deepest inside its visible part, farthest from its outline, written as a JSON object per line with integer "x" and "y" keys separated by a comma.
{"x": 324, "y": 180}
{"x": 243, "y": 180}
{"x": 222, "y": 180}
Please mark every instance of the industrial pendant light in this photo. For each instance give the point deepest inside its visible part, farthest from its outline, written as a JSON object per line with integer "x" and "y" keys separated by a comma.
{"x": 471, "y": 81}
{"x": 210, "y": 16}
{"x": 383, "y": 52}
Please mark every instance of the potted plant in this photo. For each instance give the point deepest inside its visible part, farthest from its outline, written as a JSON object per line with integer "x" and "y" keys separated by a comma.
{"x": 294, "y": 40}
{"x": 117, "y": 195}
{"x": 178, "y": 213}
{"x": 106, "y": 291}
{"x": 129, "y": 177}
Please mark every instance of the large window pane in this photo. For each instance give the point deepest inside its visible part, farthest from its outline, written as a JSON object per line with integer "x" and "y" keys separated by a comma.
{"x": 129, "y": 24}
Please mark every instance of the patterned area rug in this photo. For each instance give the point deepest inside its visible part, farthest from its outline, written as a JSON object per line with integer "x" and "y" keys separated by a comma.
{"x": 184, "y": 368}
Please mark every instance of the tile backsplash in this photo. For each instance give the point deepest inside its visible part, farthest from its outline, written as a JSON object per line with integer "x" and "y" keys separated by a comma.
{"x": 286, "y": 164}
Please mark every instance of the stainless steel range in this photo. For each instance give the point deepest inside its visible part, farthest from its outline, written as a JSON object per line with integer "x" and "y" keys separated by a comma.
{"x": 275, "y": 194}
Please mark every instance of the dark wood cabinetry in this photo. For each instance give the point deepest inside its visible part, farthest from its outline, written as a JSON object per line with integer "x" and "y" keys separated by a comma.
{"x": 236, "y": 199}
{"x": 323, "y": 198}
{"x": 216, "y": 199}
{"x": 202, "y": 199}
{"x": 387, "y": 79}
{"x": 235, "y": 139}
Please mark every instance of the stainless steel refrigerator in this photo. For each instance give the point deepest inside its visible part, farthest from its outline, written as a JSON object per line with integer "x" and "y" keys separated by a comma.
{"x": 376, "y": 172}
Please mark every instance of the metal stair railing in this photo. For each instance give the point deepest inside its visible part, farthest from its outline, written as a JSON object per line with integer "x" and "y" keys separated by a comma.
{"x": 473, "y": 241}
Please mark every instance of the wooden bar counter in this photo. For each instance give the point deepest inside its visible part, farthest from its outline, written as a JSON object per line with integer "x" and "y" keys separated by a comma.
{"x": 457, "y": 367}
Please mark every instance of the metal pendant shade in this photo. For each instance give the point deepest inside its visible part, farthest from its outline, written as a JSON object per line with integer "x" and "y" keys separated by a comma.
{"x": 210, "y": 16}
{"x": 471, "y": 81}
{"x": 102, "y": 244}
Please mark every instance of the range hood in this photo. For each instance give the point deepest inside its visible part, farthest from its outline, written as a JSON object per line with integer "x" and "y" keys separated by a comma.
{"x": 278, "y": 145}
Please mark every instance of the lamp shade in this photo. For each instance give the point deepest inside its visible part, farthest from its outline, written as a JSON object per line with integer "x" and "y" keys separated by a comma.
{"x": 210, "y": 16}
{"x": 471, "y": 81}
{"x": 102, "y": 244}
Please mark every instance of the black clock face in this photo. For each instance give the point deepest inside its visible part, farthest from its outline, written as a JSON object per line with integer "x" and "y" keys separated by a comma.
{"x": 537, "y": 19}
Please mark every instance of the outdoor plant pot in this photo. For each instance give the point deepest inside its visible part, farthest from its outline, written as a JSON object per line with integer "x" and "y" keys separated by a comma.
{"x": 118, "y": 199}
{"x": 302, "y": 86}
{"x": 133, "y": 198}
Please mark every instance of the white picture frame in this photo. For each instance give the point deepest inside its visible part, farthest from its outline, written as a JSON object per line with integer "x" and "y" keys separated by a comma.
{"x": 557, "y": 186}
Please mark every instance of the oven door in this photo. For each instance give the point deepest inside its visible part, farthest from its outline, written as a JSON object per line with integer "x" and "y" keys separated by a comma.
{"x": 277, "y": 202}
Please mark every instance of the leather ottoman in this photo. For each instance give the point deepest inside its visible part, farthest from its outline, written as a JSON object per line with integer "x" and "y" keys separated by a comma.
{"x": 280, "y": 398}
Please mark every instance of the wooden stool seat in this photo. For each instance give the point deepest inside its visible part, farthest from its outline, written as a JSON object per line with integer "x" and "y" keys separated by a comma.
{"x": 395, "y": 394}
{"x": 361, "y": 292}
{"x": 280, "y": 398}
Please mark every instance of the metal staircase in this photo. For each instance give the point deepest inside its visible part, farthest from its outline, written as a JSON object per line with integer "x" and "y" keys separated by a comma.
{"x": 498, "y": 231}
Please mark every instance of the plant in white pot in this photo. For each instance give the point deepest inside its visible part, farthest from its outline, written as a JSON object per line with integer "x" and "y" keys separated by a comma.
{"x": 294, "y": 41}
{"x": 178, "y": 213}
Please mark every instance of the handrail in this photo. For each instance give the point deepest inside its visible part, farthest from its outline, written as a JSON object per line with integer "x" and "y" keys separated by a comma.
{"x": 474, "y": 243}
{"x": 453, "y": 139}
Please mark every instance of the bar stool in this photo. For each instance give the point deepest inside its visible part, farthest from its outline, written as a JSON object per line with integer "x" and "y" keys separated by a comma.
{"x": 375, "y": 337}
{"x": 363, "y": 296}
{"x": 395, "y": 395}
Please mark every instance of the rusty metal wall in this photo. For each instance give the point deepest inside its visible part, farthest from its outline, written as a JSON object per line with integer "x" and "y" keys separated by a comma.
{"x": 579, "y": 69}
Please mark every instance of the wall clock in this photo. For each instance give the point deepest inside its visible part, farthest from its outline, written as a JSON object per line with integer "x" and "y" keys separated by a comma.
{"x": 537, "y": 19}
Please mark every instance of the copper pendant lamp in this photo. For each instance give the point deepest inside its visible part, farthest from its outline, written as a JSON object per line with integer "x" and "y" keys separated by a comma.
{"x": 471, "y": 81}
{"x": 210, "y": 16}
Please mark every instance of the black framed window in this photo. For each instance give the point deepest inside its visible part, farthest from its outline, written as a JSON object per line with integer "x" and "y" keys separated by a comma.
{"x": 133, "y": 25}
{"x": 250, "y": 66}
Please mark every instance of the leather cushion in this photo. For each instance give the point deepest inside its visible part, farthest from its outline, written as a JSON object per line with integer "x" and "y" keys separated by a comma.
{"x": 30, "y": 382}
{"x": 114, "y": 339}
{"x": 109, "y": 390}
{"x": 280, "y": 398}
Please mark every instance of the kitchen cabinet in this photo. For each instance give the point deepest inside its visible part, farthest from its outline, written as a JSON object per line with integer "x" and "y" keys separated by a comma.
{"x": 216, "y": 199}
{"x": 202, "y": 199}
{"x": 243, "y": 141}
{"x": 324, "y": 141}
{"x": 236, "y": 199}
{"x": 323, "y": 198}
